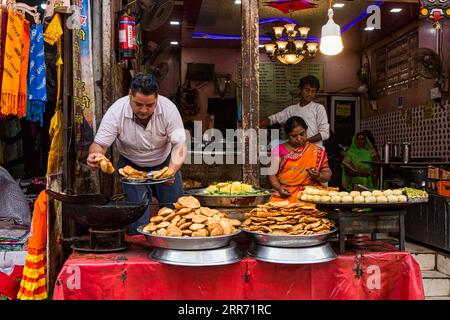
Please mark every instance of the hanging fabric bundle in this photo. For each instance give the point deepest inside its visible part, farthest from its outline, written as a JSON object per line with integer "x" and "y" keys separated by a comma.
{"x": 37, "y": 89}
{"x": 12, "y": 64}
{"x": 33, "y": 284}
{"x": 22, "y": 104}
{"x": 55, "y": 131}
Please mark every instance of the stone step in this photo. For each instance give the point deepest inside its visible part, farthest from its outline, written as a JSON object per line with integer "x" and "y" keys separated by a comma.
{"x": 436, "y": 284}
{"x": 443, "y": 264}
{"x": 427, "y": 261}
{"x": 438, "y": 298}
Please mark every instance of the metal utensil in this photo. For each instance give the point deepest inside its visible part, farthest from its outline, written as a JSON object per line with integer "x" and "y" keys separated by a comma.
{"x": 290, "y": 241}
{"x": 187, "y": 243}
{"x": 250, "y": 200}
{"x": 90, "y": 198}
{"x": 198, "y": 258}
{"x": 317, "y": 254}
{"x": 360, "y": 187}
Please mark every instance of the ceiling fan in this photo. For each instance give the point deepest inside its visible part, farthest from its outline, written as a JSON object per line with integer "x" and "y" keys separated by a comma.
{"x": 154, "y": 13}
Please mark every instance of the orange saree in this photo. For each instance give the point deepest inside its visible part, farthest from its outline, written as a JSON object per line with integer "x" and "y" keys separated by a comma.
{"x": 292, "y": 172}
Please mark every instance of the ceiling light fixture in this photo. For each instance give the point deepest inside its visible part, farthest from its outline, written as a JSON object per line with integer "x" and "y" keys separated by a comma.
{"x": 237, "y": 1}
{"x": 43, "y": 6}
{"x": 369, "y": 28}
{"x": 396, "y": 10}
{"x": 294, "y": 49}
{"x": 174, "y": 43}
{"x": 338, "y": 5}
{"x": 175, "y": 23}
{"x": 331, "y": 41}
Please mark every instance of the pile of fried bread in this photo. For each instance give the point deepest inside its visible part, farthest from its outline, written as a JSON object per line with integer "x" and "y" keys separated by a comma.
{"x": 165, "y": 172}
{"x": 190, "y": 219}
{"x": 131, "y": 173}
{"x": 284, "y": 218}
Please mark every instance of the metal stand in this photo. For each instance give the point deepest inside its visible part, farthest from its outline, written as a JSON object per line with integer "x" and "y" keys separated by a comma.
{"x": 371, "y": 222}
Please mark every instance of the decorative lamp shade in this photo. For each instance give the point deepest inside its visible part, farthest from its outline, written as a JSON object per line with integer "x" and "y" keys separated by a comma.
{"x": 299, "y": 44}
{"x": 270, "y": 48}
{"x": 303, "y": 31}
{"x": 290, "y": 58}
{"x": 331, "y": 41}
{"x": 282, "y": 45}
{"x": 278, "y": 31}
{"x": 312, "y": 47}
{"x": 289, "y": 27}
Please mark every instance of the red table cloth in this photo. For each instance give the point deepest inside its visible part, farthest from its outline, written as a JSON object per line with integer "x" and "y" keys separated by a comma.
{"x": 10, "y": 284}
{"x": 132, "y": 275}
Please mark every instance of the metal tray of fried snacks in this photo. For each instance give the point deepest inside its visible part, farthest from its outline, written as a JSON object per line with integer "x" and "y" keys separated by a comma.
{"x": 223, "y": 200}
{"x": 290, "y": 241}
{"x": 187, "y": 243}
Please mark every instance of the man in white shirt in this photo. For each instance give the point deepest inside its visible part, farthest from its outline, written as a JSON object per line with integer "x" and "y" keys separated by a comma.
{"x": 313, "y": 113}
{"x": 149, "y": 135}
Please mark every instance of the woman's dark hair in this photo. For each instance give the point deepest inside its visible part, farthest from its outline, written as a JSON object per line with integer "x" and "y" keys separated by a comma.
{"x": 146, "y": 84}
{"x": 294, "y": 122}
{"x": 311, "y": 80}
{"x": 369, "y": 136}
{"x": 361, "y": 133}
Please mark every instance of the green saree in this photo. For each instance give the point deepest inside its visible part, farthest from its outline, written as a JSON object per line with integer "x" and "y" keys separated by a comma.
{"x": 357, "y": 158}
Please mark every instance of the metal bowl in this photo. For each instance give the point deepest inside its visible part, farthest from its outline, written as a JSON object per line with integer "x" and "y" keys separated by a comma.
{"x": 251, "y": 200}
{"x": 290, "y": 241}
{"x": 198, "y": 258}
{"x": 317, "y": 254}
{"x": 187, "y": 243}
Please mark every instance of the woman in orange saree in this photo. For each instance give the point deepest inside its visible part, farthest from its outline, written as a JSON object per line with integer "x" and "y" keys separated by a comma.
{"x": 299, "y": 162}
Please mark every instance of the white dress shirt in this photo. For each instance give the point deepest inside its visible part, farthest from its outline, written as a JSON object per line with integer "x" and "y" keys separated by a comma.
{"x": 314, "y": 115}
{"x": 146, "y": 147}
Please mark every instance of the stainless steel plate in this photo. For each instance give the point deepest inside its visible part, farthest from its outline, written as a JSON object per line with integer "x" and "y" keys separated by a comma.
{"x": 317, "y": 254}
{"x": 250, "y": 200}
{"x": 198, "y": 258}
{"x": 187, "y": 243}
{"x": 290, "y": 241}
{"x": 147, "y": 181}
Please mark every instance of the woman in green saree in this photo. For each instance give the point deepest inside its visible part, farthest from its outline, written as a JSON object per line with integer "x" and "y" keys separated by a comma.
{"x": 355, "y": 166}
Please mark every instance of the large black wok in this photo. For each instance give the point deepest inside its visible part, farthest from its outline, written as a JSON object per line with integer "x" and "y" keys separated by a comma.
{"x": 99, "y": 211}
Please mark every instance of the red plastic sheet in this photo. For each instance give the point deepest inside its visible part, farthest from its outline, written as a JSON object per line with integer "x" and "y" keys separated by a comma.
{"x": 132, "y": 275}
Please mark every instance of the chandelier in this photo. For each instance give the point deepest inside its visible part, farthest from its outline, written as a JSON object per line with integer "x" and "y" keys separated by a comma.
{"x": 293, "y": 50}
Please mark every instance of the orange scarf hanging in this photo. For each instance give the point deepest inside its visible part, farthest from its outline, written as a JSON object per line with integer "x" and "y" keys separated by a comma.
{"x": 12, "y": 65}
{"x": 22, "y": 104}
{"x": 33, "y": 284}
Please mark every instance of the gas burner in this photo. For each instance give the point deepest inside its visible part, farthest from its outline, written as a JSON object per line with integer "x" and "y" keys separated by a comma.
{"x": 103, "y": 241}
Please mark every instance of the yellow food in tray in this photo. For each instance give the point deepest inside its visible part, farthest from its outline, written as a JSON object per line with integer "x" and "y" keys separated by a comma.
{"x": 231, "y": 188}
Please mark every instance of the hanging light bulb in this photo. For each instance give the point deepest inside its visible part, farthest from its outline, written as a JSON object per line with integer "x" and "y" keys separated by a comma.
{"x": 331, "y": 41}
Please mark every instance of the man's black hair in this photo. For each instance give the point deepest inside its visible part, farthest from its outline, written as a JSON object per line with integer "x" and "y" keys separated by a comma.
{"x": 146, "y": 84}
{"x": 311, "y": 80}
{"x": 294, "y": 122}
